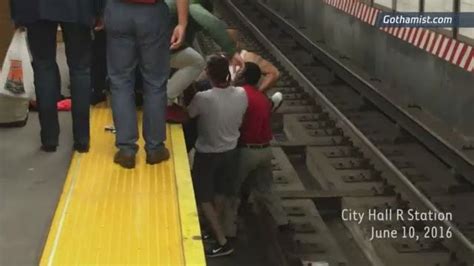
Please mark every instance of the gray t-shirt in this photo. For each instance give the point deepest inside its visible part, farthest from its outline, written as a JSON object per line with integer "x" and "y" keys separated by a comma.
{"x": 220, "y": 113}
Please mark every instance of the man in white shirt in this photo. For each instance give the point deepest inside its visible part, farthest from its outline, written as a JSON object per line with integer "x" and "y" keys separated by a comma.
{"x": 219, "y": 113}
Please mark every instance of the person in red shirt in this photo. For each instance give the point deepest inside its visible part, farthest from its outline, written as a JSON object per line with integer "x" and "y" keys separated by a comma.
{"x": 255, "y": 163}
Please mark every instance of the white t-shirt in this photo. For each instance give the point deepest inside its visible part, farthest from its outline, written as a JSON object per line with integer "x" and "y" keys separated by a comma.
{"x": 220, "y": 113}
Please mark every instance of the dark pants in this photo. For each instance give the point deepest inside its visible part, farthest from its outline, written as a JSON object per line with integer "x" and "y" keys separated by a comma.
{"x": 138, "y": 35}
{"x": 99, "y": 68}
{"x": 190, "y": 133}
{"x": 214, "y": 173}
{"x": 42, "y": 42}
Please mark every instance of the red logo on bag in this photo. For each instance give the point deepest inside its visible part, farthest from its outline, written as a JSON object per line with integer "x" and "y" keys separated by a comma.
{"x": 14, "y": 82}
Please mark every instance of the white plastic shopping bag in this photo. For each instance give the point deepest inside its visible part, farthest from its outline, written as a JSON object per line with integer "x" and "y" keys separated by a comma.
{"x": 16, "y": 78}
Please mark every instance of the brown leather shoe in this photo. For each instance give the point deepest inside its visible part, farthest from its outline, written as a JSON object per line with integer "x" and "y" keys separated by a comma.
{"x": 124, "y": 160}
{"x": 158, "y": 156}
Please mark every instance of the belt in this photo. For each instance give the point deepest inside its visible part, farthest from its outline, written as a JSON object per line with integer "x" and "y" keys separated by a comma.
{"x": 255, "y": 146}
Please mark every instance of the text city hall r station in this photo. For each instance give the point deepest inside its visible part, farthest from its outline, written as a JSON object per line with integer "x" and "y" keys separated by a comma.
{"x": 394, "y": 215}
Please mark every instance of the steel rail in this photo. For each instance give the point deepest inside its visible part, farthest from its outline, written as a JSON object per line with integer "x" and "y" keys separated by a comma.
{"x": 301, "y": 77}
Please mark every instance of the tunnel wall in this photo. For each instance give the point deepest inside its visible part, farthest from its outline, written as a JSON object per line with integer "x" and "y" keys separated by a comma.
{"x": 443, "y": 89}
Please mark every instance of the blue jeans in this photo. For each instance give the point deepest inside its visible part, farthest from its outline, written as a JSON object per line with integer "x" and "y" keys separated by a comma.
{"x": 138, "y": 35}
{"x": 42, "y": 42}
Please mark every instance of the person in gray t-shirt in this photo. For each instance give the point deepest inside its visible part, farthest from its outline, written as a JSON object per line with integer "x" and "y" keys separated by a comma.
{"x": 219, "y": 113}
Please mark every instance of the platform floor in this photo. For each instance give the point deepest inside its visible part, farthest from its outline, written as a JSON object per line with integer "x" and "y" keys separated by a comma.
{"x": 110, "y": 215}
{"x": 31, "y": 183}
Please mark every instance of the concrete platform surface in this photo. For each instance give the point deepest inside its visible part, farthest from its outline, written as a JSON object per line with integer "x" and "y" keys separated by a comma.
{"x": 30, "y": 185}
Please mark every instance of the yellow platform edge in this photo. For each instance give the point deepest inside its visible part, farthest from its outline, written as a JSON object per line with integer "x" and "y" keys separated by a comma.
{"x": 190, "y": 229}
{"x": 189, "y": 221}
{"x": 53, "y": 236}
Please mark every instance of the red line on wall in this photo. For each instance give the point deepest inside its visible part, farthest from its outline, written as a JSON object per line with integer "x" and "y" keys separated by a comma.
{"x": 447, "y": 48}
{"x": 462, "y": 53}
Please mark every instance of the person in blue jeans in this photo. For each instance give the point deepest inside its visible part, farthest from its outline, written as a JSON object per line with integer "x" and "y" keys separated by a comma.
{"x": 138, "y": 35}
{"x": 76, "y": 18}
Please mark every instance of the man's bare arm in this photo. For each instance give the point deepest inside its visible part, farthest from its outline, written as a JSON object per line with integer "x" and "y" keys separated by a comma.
{"x": 180, "y": 30}
{"x": 269, "y": 71}
{"x": 183, "y": 12}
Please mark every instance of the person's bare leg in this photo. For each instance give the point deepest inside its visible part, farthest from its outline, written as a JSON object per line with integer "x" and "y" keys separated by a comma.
{"x": 230, "y": 213}
{"x": 211, "y": 215}
{"x": 219, "y": 203}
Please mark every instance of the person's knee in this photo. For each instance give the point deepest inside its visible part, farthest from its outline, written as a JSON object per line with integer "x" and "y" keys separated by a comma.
{"x": 80, "y": 69}
{"x": 205, "y": 203}
{"x": 202, "y": 195}
{"x": 45, "y": 63}
{"x": 199, "y": 63}
{"x": 79, "y": 60}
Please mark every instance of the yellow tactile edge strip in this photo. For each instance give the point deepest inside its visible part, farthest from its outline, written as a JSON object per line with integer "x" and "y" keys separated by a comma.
{"x": 190, "y": 230}
{"x": 56, "y": 226}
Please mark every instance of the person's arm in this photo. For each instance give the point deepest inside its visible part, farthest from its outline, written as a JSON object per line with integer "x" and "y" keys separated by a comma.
{"x": 194, "y": 108}
{"x": 270, "y": 72}
{"x": 215, "y": 27}
{"x": 179, "y": 32}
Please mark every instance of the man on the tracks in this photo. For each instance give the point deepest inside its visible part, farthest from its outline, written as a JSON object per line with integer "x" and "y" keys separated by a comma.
{"x": 270, "y": 73}
{"x": 76, "y": 18}
{"x": 138, "y": 34}
{"x": 188, "y": 62}
{"x": 219, "y": 112}
{"x": 255, "y": 153}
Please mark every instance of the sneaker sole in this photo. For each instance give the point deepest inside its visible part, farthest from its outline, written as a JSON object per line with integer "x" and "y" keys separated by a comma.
{"x": 228, "y": 252}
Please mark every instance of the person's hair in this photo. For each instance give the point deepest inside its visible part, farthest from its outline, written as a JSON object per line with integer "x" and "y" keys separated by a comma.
{"x": 218, "y": 70}
{"x": 252, "y": 73}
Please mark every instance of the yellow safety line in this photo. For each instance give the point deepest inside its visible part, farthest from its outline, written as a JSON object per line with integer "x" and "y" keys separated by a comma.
{"x": 55, "y": 227}
{"x": 111, "y": 216}
{"x": 74, "y": 170}
{"x": 191, "y": 233}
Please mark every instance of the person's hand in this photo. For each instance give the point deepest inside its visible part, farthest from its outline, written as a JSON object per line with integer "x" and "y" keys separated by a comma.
{"x": 237, "y": 63}
{"x": 237, "y": 60}
{"x": 177, "y": 38}
{"x": 99, "y": 24}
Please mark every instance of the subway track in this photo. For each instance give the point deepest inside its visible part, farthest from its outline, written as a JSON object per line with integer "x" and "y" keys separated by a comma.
{"x": 336, "y": 153}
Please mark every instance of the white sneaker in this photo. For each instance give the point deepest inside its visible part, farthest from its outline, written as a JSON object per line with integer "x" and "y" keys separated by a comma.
{"x": 277, "y": 100}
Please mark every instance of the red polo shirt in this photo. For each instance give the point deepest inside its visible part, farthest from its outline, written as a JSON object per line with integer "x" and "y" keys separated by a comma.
{"x": 256, "y": 127}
